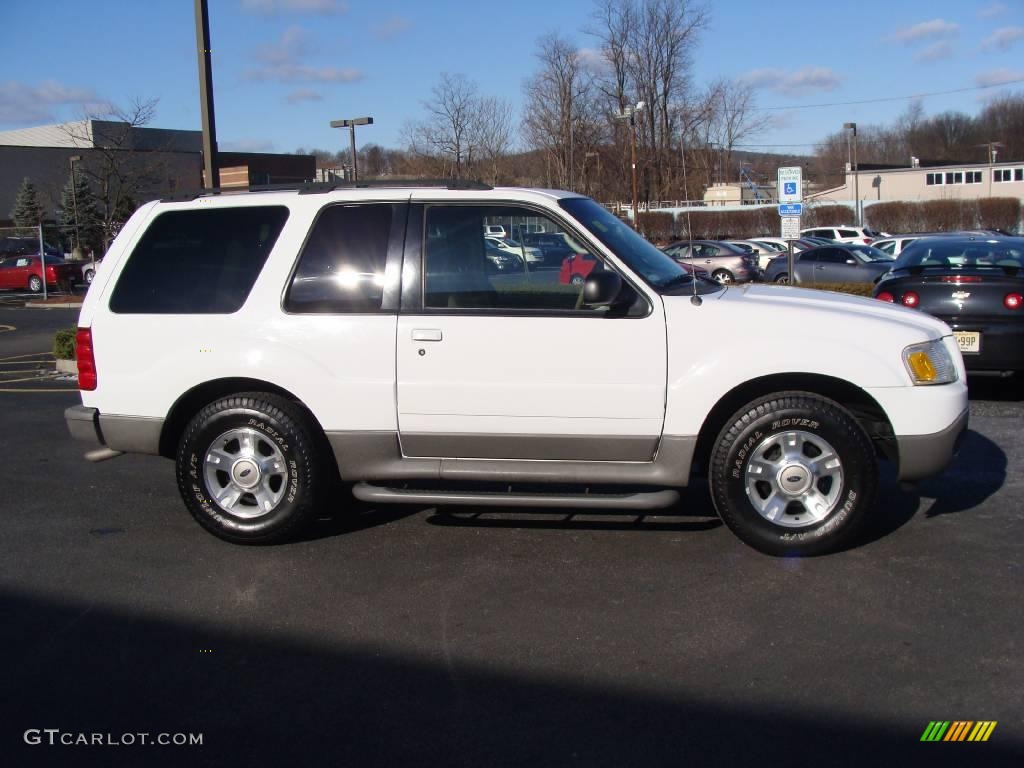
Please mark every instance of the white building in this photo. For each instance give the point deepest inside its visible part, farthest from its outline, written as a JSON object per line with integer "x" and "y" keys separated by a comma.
{"x": 916, "y": 182}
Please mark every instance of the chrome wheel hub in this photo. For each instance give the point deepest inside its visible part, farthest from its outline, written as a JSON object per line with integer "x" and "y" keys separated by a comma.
{"x": 245, "y": 472}
{"x": 793, "y": 479}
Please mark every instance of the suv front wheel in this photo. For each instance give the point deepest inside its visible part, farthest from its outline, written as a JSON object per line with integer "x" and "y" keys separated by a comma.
{"x": 248, "y": 469}
{"x": 793, "y": 473}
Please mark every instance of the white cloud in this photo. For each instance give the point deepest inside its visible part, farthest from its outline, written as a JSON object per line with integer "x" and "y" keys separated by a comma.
{"x": 391, "y": 27}
{"x": 926, "y": 30}
{"x": 246, "y": 145}
{"x": 294, "y": 44}
{"x": 283, "y": 62}
{"x": 796, "y": 83}
{"x": 935, "y": 52}
{"x": 593, "y": 60}
{"x": 304, "y": 94}
{"x": 997, "y": 77}
{"x": 23, "y": 104}
{"x": 992, "y": 9}
{"x": 268, "y": 7}
{"x": 1002, "y": 39}
{"x": 303, "y": 73}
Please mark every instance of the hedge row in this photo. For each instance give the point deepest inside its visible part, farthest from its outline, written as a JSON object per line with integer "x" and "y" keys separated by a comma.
{"x": 945, "y": 215}
{"x": 715, "y": 224}
{"x": 928, "y": 216}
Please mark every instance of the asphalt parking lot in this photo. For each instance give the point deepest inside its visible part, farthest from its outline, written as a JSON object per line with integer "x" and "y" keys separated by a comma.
{"x": 418, "y": 636}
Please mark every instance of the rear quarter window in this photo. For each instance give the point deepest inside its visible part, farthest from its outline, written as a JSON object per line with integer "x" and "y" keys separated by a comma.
{"x": 198, "y": 261}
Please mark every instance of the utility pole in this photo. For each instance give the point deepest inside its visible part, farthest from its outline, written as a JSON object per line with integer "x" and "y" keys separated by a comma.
{"x": 74, "y": 203}
{"x": 351, "y": 125}
{"x": 856, "y": 175}
{"x": 629, "y": 113}
{"x": 203, "y": 52}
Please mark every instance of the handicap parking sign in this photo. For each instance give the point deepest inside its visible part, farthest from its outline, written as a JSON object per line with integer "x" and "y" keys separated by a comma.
{"x": 789, "y": 188}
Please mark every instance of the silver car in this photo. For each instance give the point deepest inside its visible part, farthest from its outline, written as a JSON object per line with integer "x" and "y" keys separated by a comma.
{"x": 839, "y": 263}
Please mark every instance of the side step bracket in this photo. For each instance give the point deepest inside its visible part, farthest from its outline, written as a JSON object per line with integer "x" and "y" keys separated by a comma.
{"x": 629, "y": 501}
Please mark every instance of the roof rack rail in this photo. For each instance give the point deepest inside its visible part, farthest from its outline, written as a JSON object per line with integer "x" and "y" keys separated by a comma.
{"x": 321, "y": 187}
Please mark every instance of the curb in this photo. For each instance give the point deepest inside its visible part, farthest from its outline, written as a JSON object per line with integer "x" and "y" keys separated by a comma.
{"x": 40, "y": 305}
{"x": 67, "y": 366}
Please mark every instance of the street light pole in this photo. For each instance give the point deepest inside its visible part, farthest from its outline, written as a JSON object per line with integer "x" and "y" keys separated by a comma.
{"x": 856, "y": 174}
{"x": 629, "y": 113}
{"x": 74, "y": 202}
{"x": 351, "y": 125}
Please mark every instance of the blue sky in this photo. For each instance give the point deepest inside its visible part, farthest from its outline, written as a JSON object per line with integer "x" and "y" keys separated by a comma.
{"x": 284, "y": 68}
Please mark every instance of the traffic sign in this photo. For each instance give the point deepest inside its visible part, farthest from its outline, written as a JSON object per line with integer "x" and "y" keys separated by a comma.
{"x": 791, "y": 209}
{"x": 790, "y": 227}
{"x": 790, "y": 188}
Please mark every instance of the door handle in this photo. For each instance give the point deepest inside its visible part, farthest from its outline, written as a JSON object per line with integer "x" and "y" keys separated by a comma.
{"x": 426, "y": 334}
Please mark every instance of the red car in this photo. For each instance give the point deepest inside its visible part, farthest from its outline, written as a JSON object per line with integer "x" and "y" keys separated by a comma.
{"x": 575, "y": 269}
{"x": 26, "y": 273}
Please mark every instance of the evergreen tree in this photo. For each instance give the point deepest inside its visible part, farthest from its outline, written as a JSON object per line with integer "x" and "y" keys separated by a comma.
{"x": 77, "y": 197}
{"x": 27, "y": 211}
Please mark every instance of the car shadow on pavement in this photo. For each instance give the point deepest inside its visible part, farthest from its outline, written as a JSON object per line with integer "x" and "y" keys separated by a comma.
{"x": 976, "y": 473}
{"x": 260, "y": 696}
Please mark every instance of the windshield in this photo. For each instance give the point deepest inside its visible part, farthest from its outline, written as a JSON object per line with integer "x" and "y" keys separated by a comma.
{"x": 948, "y": 252}
{"x": 870, "y": 253}
{"x": 655, "y": 267}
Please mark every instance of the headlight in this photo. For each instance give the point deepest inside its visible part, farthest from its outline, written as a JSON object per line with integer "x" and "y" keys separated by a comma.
{"x": 929, "y": 363}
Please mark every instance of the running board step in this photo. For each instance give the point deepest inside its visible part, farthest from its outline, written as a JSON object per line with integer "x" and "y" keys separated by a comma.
{"x": 631, "y": 501}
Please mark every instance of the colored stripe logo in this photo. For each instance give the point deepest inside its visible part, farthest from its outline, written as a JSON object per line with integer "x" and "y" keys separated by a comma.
{"x": 958, "y": 730}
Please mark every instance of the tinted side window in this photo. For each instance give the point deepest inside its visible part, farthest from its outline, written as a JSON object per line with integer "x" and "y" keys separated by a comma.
{"x": 199, "y": 261}
{"x": 848, "y": 233}
{"x": 833, "y": 256}
{"x": 461, "y": 273}
{"x": 341, "y": 268}
{"x": 809, "y": 257}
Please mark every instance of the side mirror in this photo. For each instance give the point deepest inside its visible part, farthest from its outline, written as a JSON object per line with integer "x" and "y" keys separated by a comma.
{"x": 601, "y": 288}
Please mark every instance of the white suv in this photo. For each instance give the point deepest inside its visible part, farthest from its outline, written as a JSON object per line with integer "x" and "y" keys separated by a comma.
{"x": 844, "y": 234}
{"x": 274, "y": 343}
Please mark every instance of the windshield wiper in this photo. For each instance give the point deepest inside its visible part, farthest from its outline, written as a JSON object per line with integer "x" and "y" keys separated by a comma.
{"x": 686, "y": 277}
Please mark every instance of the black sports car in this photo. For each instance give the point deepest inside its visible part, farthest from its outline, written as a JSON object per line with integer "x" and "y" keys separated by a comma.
{"x": 973, "y": 283}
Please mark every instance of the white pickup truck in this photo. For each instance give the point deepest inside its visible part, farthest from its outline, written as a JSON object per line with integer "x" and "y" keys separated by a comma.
{"x": 273, "y": 343}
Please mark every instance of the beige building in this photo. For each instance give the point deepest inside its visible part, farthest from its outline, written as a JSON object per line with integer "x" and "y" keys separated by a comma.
{"x": 915, "y": 182}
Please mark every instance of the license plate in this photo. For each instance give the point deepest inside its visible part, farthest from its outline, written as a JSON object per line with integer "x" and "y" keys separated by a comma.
{"x": 969, "y": 341}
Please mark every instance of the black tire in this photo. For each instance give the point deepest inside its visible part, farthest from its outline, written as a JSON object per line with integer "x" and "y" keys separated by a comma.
{"x": 35, "y": 284}
{"x": 782, "y": 279}
{"x": 277, "y": 424}
{"x": 723, "y": 276}
{"x": 810, "y": 421}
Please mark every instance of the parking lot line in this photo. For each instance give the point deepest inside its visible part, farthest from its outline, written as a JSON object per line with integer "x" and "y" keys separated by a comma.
{"x": 47, "y": 355}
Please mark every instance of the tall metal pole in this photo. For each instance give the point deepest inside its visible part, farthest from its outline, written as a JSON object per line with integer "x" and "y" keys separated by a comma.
{"x": 352, "y": 148}
{"x": 856, "y": 180}
{"x": 632, "y": 134}
{"x": 74, "y": 202}
{"x": 210, "y": 164}
{"x": 42, "y": 256}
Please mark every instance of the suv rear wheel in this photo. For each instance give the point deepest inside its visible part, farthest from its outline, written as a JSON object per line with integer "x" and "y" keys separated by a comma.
{"x": 248, "y": 469}
{"x": 793, "y": 473}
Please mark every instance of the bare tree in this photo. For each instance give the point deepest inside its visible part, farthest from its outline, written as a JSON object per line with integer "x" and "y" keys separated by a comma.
{"x": 732, "y": 119}
{"x": 491, "y": 133}
{"x": 448, "y": 130}
{"x": 118, "y": 167}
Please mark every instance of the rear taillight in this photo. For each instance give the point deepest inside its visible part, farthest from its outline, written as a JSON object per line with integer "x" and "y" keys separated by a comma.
{"x": 1013, "y": 301}
{"x": 886, "y": 296}
{"x": 958, "y": 279}
{"x": 868, "y": 241}
{"x": 85, "y": 359}
{"x": 910, "y": 299}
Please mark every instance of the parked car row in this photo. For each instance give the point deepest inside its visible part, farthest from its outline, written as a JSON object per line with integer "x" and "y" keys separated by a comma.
{"x": 26, "y": 273}
{"x": 725, "y": 262}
